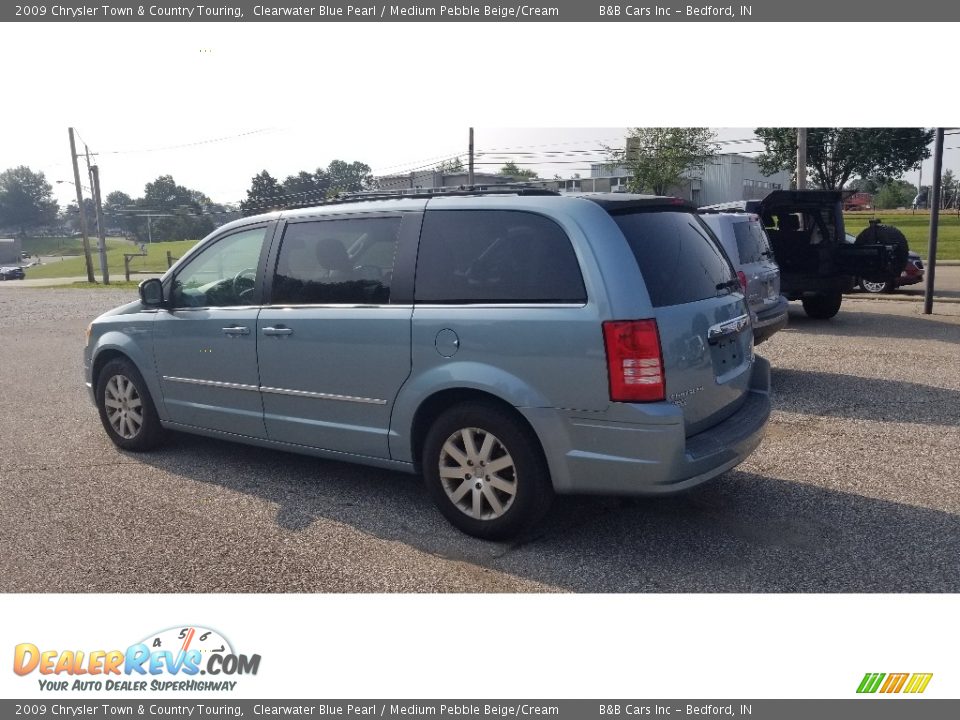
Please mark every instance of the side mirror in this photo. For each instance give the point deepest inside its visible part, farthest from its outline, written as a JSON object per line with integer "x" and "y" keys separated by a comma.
{"x": 151, "y": 292}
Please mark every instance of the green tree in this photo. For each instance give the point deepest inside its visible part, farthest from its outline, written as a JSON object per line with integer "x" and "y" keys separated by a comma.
{"x": 868, "y": 185}
{"x": 263, "y": 195}
{"x": 451, "y": 165}
{"x": 349, "y": 177}
{"x": 835, "y": 155}
{"x": 26, "y": 199}
{"x": 511, "y": 169}
{"x": 949, "y": 184}
{"x": 893, "y": 195}
{"x": 119, "y": 209}
{"x": 71, "y": 216}
{"x": 305, "y": 188}
{"x": 661, "y": 158}
{"x": 177, "y": 212}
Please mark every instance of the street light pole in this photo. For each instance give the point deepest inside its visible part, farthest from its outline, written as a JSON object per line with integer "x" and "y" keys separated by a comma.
{"x": 101, "y": 231}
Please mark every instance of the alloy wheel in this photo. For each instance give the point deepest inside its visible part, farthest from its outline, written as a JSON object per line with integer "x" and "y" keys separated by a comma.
{"x": 124, "y": 406}
{"x": 478, "y": 473}
{"x": 874, "y": 287}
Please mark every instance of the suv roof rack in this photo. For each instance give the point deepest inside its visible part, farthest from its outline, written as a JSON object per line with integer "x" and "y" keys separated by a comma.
{"x": 461, "y": 190}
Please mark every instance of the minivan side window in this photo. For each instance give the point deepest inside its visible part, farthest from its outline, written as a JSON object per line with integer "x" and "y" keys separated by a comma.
{"x": 223, "y": 275}
{"x": 495, "y": 256}
{"x": 678, "y": 258}
{"x": 343, "y": 261}
{"x": 752, "y": 245}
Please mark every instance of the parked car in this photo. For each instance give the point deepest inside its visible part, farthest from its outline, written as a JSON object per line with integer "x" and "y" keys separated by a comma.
{"x": 743, "y": 238}
{"x": 506, "y": 344}
{"x": 817, "y": 265}
{"x": 13, "y": 272}
{"x": 911, "y": 274}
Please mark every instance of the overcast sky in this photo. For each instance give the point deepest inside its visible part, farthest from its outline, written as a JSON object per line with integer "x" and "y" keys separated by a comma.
{"x": 213, "y": 105}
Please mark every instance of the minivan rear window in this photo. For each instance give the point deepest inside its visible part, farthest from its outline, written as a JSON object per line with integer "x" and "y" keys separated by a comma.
{"x": 679, "y": 260}
{"x": 752, "y": 244}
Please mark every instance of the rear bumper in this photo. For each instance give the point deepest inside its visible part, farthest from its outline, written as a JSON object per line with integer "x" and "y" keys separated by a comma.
{"x": 653, "y": 456}
{"x": 771, "y": 320}
{"x": 795, "y": 287}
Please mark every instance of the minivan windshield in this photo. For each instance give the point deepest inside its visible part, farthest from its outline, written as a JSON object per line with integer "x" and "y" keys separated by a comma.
{"x": 679, "y": 260}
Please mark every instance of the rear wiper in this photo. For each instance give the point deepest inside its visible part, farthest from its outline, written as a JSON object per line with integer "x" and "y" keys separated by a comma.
{"x": 731, "y": 285}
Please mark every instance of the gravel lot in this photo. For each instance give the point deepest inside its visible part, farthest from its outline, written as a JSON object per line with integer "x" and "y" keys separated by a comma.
{"x": 855, "y": 489}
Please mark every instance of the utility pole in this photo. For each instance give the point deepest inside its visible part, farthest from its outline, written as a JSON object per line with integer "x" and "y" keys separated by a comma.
{"x": 919, "y": 189}
{"x": 83, "y": 219}
{"x": 101, "y": 231}
{"x": 934, "y": 222}
{"x": 470, "y": 176}
{"x": 801, "y": 158}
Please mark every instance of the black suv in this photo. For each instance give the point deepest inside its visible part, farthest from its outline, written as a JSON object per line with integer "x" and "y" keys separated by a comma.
{"x": 806, "y": 232}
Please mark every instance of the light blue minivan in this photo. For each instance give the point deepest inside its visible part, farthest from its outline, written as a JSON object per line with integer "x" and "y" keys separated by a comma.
{"x": 507, "y": 344}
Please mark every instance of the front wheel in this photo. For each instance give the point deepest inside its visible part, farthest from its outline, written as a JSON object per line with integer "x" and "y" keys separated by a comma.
{"x": 126, "y": 408}
{"x": 822, "y": 307}
{"x": 486, "y": 472}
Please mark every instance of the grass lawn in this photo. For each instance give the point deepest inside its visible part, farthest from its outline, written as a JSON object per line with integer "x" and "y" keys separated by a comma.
{"x": 155, "y": 260}
{"x": 64, "y": 245}
{"x": 916, "y": 227}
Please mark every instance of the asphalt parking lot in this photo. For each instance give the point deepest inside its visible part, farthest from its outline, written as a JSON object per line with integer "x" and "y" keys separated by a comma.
{"x": 856, "y": 487}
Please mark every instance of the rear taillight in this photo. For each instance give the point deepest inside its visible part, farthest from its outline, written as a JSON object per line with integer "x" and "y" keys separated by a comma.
{"x": 634, "y": 361}
{"x": 743, "y": 280}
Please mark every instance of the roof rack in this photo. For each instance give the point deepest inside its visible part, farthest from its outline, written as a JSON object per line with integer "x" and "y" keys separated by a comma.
{"x": 462, "y": 190}
{"x": 736, "y": 206}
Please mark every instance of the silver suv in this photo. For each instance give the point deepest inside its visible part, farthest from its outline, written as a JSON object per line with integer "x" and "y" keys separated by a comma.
{"x": 507, "y": 345}
{"x": 745, "y": 241}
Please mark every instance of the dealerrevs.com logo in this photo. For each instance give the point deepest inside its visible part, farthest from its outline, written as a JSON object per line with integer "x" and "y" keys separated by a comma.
{"x": 172, "y": 659}
{"x": 910, "y": 683}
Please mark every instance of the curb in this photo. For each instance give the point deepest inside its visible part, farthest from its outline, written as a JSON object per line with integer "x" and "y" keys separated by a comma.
{"x": 901, "y": 298}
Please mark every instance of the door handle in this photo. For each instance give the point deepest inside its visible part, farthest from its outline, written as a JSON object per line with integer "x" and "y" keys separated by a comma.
{"x": 717, "y": 332}
{"x": 278, "y": 330}
{"x": 236, "y": 330}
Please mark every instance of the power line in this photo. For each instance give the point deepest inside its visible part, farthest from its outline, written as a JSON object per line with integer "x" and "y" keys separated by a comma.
{"x": 185, "y": 145}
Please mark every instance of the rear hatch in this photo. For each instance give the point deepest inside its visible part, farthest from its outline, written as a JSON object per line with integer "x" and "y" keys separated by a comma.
{"x": 706, "y": 338}
{"x": 818, "y": 245}
{"x": 757, "y": 264}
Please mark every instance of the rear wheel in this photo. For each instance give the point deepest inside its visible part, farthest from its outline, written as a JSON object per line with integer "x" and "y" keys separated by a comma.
{"x": 877, "y": 286}
{"x": 822, "y": 307}
{"x": 126, "y": 408}
{"x": 485, "y": 471}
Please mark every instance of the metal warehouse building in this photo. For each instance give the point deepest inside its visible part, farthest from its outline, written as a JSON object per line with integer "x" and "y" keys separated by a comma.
{"x": 723, "y": 178}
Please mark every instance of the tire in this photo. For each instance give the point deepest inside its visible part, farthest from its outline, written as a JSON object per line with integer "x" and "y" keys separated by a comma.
{"x": 822, "y": 307}
{"x": 880, "y": 234}
{"x": 877, "y": 287}
{"x": 520, "y": 485}
{"x": 121, "y": 391}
